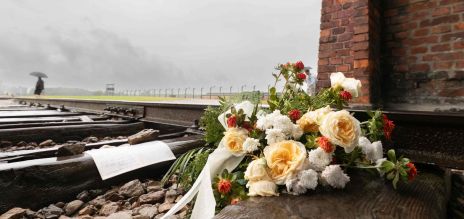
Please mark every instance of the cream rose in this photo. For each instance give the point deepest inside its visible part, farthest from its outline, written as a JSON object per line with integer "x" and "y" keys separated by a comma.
{"x": 262, "y": 188}
{"x": 311, "y": 120}
{"x": 233, "y": 140}
{"x": 341, "y": 129}
{"x": 259, "y": 182}
{"x": 348, "y": 84}
{"x": 284, "y": 160}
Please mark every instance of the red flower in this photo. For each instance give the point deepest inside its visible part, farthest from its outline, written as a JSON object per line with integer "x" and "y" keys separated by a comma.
{"x": 345, "y": 95}
{"x": 224, "y": 186}
{"x": 412, "y": 173}
{"x": 234, "y": 201}
{"x": 246, "y": 125}
{"x": 232, "y": 121}
{"x": 299, "y": 65}
{"x": 301, "y": 76}
{"x": 388, "y": 127}
{"x": 294, "y": 114}
{"x": 325, "y": 144}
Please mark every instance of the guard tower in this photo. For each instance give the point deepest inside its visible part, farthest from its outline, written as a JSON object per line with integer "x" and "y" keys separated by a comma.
{"x": 109, "y": 89}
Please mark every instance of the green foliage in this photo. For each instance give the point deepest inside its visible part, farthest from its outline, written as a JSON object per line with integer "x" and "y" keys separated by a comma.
{"x": 374, "y": 129}
{"x": 188, "y": 166}
{"x": 395, "y": 169}
{"x": 213, "y": 128}
{"x": 254, "y": 97}
{"x": 237, "y": 191}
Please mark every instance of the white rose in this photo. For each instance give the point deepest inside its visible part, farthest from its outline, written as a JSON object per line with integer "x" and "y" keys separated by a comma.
{"x": 262, "y": 188}
{"x": 373, "y": 151}
{"x": 250, "y": 144}
{"x": 348, "y": 84}
{"x": 341, "y": 129}
{"x": 259, "y": 182}
{"x": 311, "y": 120}
{"x": 256, "y": 170}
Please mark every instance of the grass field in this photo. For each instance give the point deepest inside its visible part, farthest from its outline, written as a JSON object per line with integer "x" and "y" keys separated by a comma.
{"x": 124, "y": 98}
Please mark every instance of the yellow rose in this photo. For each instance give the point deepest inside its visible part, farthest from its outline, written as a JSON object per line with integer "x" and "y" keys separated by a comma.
{"x": 284, "y": 159}
{"x": 234, "y": 139}
{"x": 341, "y": 129}
{"x": 311, "y": 120}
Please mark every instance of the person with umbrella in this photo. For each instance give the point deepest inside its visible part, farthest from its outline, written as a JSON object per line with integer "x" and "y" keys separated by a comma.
{"x": 39, "y": 86}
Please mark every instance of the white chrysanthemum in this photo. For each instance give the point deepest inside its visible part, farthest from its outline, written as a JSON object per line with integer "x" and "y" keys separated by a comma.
{"x": 297, "y": 132}
{"x": 263, "y": 122}
{"x": 274, "y": 136}
{"x": 319, "y": 159}
{"x": 335, "y": 176}
{"x": 250, "y": 144}
{"x": 308, "y": 178}
{"x": 373, "y": 151}
{"x": 284, "y": 124}
{"x": 294, "y": 187}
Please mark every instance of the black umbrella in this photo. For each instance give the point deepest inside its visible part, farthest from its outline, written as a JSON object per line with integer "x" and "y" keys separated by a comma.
{"x": 39, "y": 74}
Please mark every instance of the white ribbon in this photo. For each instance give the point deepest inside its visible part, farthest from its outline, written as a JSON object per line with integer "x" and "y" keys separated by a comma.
{"x": 220, "y": 159}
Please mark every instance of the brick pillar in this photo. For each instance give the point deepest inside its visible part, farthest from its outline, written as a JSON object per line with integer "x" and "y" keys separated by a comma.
{"x": 350, "y": 43}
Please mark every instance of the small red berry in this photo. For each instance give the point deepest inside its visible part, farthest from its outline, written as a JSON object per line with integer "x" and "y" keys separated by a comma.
{"x": 388, "y": 127}
{"x": 294, "y": 114}
{"x": 232, "y": 121}
{"x": 325, "y": 144}
{"x": 301, "y": 76}
{"x": 224, "y": 186}
{"x": 299, "y": 65}
{"x": 412, "y": 173}
{"x": 345, "y": 95}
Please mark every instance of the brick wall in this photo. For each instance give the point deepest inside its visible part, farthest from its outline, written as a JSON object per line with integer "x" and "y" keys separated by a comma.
{"x": 403, "y": 51}
{"x": 346, "y": 43}
{"x": 424, "y": 51}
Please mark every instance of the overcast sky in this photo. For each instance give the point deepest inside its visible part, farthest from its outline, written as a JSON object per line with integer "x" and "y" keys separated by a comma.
{"x": 154, "y": 43}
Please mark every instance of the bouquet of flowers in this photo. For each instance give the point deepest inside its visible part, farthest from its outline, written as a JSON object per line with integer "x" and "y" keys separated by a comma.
{"x": 298, "y": 143}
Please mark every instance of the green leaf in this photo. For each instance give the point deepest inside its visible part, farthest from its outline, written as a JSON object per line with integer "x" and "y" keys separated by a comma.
{"x": 387, "y": 166}
{"x": 391, "y": 155}
{"x": 395, "y": 180}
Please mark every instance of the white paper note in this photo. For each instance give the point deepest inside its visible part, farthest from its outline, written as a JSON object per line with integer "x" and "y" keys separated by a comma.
{"x": 111, "y": 162}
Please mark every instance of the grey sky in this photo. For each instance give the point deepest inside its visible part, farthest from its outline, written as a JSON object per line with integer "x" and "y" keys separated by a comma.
{"x": 154, "y": 43}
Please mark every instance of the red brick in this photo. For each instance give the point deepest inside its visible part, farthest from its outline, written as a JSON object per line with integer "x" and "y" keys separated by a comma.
{"x": 444, "y": 56}
{"x": 326, "y": 68}
{"x": 458, "y": 8}
{"x": 325, "y": 33}
{"x": 441, "y": 11}
{"x": 459, "y": 45}
{"x": 452, "y": 36}
{"x": 348, "y": 60}
{"x": 344, "y": 37}
{"x": 447, "y": 2}
{"x": 337, "y": 46}
{"x": 440, "y": 20}
{"x": 441, "y": 29}
{"x": 363, "y": 63}
{"x": 343, "y": 52}
{"x": 460, "y": 64}
{"x": 335, "y": 61}
{"x": 418, "y": 50}
{"x": 421, "y": 32}
{"x": 459, "y": 26}
{"x": 361, "y": 29}
{"x": 424, "y": 40}
{"x": 441, "y": 48}
{"x": 401, "y": 35}
{"x": 399, "y": 52}
{"x": 323, "y": 61}
{"x": 360, "y": 37}
{"x": 343, "y": 68}
{"x": 360, "y": 46}
{"x": 338, "y": 30}
{"x": 415, "y": 68}
{"x": 442, "y": 65}
{"x": 401, "y": 68}
{"x": 363, "y": 54}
